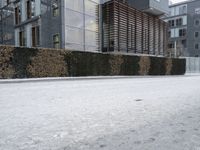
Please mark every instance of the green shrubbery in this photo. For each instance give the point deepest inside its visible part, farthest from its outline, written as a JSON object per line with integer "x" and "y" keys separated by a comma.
{"x": 31, "y": 63}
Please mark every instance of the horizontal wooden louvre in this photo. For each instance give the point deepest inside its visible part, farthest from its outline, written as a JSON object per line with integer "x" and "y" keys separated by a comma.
{"x": 126, "y": 29}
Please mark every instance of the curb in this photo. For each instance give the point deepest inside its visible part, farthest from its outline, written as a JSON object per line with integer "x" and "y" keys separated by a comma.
{"x": 8, "y": 81}
{"x": 53, "y": 79}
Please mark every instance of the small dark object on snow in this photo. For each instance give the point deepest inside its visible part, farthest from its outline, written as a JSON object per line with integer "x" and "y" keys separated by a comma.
{"x": 138, "y": 100}
{"x": 102, "y": 146}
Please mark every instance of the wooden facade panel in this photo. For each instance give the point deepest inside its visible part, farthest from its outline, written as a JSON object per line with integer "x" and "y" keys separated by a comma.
{"x": 129, "y": 30}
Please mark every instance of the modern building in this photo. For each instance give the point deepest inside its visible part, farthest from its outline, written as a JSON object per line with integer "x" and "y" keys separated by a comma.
{"x": 57, "y": 24}
{"x": 127, "y": 29}
{"x": 82, "y": 25}
{"x": 184, "y": 29}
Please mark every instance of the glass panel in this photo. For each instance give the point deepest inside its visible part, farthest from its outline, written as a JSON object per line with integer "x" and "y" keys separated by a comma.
{"x": 33, "y": 8}
{"x": 91, "y": 48}
{"x": 91, "y": 8}
{"x": 22, "y": 38}
{"x": 75, "y": 5}
{"x": 72, "y": 46}
{"x": 74, "y": 35}
{"x": 74, "y": 19}
{"x": 90, "y": 23}
{"x": 90, "y": 38}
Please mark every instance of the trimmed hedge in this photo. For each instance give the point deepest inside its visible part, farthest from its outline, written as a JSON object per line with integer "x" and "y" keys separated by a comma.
{"x": 178, "y": 67}
{"x": 157, "y": 63}
{"x": 16, "y": 62}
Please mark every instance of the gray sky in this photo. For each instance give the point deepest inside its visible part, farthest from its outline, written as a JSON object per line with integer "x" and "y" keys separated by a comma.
{"x": 176, "y": 1}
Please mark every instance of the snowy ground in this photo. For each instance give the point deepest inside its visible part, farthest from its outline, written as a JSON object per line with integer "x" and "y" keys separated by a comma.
{"x": 154, "y": 113}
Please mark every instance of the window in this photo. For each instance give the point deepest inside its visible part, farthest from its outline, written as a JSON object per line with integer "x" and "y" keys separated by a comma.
{"x": 55, "y": 8}
{"x": 8, "y": 2}
{"x": 182, "y": 32}
{"x": 196, "y": 46}
{"x": 172, "y": 11}
{"x": 171, "y": 45}
{"x": 35, "y": 36}
{"x": 56, "y": 41}
{"x": 17, "y": 15}
{"x": 171, "y": 23}
{"x": 196, "y": 34}
{"x": 169, "y": 34}
{"x": 184, "y": 43}
{"x": 22, "y": 39}
{"x": 30, "y": 9}
{"x": 182, "y": 10}
{"x": 179, "y": 22}
{"x": 197, "y": 11}
{"x": 196, "y": 22}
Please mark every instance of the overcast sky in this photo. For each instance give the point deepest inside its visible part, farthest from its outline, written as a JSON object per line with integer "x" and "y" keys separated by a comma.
{"x": 177, "y": 1}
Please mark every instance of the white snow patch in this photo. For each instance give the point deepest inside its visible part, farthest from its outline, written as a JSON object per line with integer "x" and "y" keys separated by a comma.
{"x": 113, "y": 114}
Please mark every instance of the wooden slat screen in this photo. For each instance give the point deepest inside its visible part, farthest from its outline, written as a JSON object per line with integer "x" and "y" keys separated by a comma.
{"x": 127, "y": 29}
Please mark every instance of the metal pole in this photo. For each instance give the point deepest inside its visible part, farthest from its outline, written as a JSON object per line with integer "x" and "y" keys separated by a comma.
{"x": 175, "y": 49}
{"x": 1, "y": 25}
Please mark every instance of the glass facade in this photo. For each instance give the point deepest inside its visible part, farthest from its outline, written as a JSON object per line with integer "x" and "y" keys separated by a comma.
{"x": 81, "y": 24}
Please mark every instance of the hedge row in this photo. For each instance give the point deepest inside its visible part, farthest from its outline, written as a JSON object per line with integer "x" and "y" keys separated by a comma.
{"x": 31, "y": 63}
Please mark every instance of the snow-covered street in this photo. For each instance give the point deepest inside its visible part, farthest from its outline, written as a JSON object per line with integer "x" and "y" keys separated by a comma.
{"x": 138, "y": 113}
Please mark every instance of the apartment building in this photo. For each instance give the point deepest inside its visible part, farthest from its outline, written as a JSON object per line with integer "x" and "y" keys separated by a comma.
{"x": 184, "y": 29}
{"x": 57, "y": 24}
{"x": 80, "y": 25}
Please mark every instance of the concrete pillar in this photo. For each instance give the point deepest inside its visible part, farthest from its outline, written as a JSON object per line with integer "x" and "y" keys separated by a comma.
{"x": 16, "y": 37}
{"x": 28, "y": 35}
{"x": 23, "y": 10}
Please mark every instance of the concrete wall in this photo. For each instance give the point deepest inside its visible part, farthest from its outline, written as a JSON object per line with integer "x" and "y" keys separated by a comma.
{"x": 162, "y": 5}
{"x": 192, "y": 65}
{"x": 141, "y": 4}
